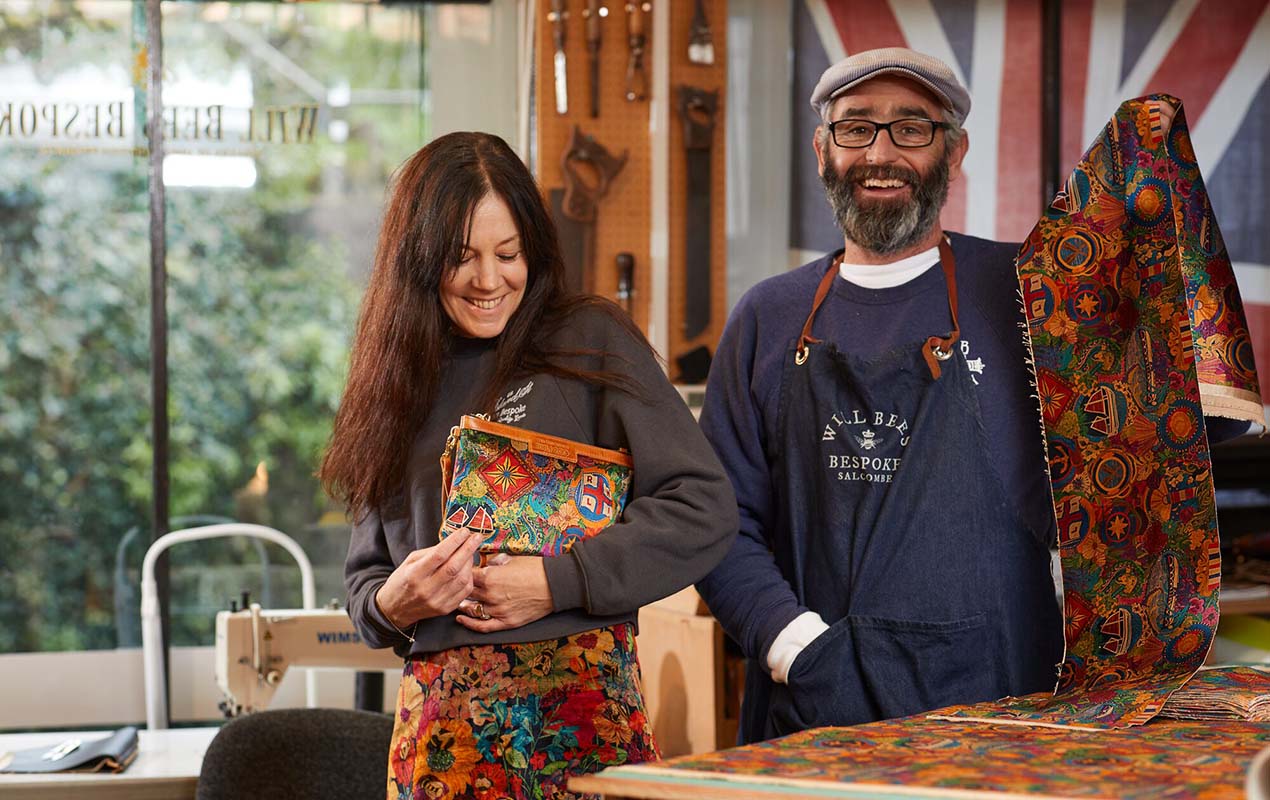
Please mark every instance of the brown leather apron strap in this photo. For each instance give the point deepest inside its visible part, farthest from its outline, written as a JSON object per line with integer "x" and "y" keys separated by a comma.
{"x": 822, "y": 291}
{"x": 937, "y": 349}
{"x": 934, "y": 350}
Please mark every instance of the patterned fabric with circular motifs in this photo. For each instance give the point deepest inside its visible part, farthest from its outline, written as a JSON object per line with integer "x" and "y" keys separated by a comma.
{"x": 517, "y": 720}
{"x": 1137, "y": 332}
{"x": 919, "y": 757}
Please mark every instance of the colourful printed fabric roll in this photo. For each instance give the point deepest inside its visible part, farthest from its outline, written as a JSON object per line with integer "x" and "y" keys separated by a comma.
{"x": 1241, "y": 693}
{"x": 1137, "y": 332}
{"x": 518, "y": 720}
{"x": 914, "y": 757}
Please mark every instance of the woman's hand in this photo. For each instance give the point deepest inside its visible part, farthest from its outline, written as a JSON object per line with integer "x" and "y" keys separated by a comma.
{"x": 1166, "y": 116}
{"x": 511, "y": 594}
{"x": 430, "y": 582}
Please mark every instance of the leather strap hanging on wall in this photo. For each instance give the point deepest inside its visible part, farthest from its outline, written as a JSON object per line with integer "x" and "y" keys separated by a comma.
{"x": 697, "y": 108}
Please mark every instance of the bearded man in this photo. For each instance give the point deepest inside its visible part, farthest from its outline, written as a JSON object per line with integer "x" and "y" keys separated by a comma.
{"x": 873, "y": 409}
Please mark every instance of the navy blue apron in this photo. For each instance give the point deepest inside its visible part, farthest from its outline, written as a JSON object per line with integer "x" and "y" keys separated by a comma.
{"x": 893, "y": 526}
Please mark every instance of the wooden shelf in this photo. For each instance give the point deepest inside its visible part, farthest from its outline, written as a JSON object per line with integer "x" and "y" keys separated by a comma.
{"x": 1258, "y": 605}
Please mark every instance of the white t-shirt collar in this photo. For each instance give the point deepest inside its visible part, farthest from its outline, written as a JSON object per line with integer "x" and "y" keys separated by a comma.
{"x": 886, "y": 276}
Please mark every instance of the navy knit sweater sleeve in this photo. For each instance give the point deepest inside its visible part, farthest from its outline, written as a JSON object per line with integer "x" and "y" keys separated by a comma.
{"x": 747, "y": 592}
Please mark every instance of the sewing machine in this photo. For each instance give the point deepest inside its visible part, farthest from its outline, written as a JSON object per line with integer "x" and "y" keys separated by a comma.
{"x": 256, "y": 647}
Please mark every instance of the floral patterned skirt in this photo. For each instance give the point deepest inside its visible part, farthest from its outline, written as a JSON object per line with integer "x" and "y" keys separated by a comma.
{"x": 518, "y": 720}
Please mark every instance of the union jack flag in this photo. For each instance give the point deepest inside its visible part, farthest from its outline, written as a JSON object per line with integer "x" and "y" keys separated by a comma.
{"x": 1213, "y": 54}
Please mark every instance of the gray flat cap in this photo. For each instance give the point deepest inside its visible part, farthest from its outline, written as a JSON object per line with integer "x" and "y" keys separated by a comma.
{"x": 926, "y": 70}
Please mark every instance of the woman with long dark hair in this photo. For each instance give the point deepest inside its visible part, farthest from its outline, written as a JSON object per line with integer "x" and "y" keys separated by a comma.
{"x": 522, "y": 674}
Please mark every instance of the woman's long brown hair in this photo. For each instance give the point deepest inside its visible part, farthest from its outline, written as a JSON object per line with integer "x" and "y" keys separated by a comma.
{"x": 403, "y": 334}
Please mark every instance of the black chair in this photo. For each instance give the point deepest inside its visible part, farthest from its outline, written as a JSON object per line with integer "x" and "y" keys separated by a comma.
{"x": 310, "y": 753}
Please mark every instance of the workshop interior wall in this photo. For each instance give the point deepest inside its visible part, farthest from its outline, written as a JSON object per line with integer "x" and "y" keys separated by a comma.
{"x": 625, "y": 215}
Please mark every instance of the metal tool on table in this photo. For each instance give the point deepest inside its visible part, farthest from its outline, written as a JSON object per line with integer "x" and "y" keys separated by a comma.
{"x": 557, "y": 16}
{"x": 636, "y": 42}
{"x": 593, "y": 13}
{"x": 700, "y": 42}
{"x": 697, "y": 107}
{"x": 626, "y": 281}
{"x": 588, "y": 169}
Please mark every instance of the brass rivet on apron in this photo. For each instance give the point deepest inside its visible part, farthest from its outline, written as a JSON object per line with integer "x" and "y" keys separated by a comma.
{"x": 800, "y": 357}
{"x": 940, "y": 353}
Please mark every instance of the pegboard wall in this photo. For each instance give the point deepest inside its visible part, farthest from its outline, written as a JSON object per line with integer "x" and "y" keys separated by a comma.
{"x": 625, "y": 214}
{"x": 710, "y": 78}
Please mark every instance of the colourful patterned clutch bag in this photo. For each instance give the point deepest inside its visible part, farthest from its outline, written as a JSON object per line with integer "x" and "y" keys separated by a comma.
{"x": 526, "y": 492}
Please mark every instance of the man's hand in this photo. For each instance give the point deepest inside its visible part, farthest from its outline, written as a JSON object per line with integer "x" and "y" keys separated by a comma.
{"x": 430, "y": 582}
{"x": 512, "y": 594}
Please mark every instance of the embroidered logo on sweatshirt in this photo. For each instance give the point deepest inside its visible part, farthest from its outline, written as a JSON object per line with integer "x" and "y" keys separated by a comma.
{"x": 975, "y": 364}
{"x": 509, "y": 409}
{"x": 864, "y": 446}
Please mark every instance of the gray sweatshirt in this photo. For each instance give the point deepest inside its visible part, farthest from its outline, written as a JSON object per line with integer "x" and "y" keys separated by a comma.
{"x": 679, "y": 520}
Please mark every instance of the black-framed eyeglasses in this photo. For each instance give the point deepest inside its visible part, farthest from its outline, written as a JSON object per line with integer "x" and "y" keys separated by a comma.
{"x": 912, "y": 132}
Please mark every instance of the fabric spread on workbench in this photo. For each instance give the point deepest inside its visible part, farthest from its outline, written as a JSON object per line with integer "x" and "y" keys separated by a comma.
{"x": 1137, "y": 332}
{"x": 1167, "y": 758}
{"x": 1223, "y": 693}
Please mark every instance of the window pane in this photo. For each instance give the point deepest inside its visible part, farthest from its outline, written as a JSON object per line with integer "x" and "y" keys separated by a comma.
{"x": 271, "y": 227}
{"x": 74, "y": 321}
{"x": 283, "y": 125}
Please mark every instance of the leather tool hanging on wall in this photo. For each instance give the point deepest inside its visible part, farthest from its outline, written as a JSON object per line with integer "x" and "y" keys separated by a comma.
{"x": 575, "y": 206}
{"x": 625, "y": 280}
{"x": 636, "y": 42}
{"x": 700, "y": 42}
{"x": 593, "y": 13}
{"x": 558, "y": 16}
{"x": 697, "y": 108}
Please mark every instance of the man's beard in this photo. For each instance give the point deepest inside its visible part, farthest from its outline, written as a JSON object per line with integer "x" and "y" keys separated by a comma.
{"x": 887, "y": 226}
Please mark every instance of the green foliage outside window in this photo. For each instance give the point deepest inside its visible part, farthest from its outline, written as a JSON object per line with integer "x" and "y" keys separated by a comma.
{"x": 262, "y": 297}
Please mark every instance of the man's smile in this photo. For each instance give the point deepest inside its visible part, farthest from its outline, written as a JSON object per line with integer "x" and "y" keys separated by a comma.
{"x": 883, "y": 189}
{"x": 883, "y": 183}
